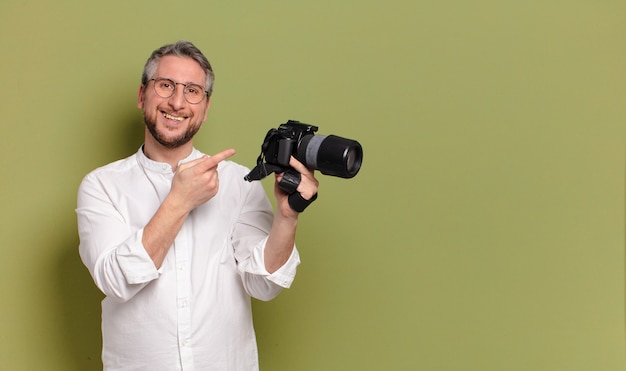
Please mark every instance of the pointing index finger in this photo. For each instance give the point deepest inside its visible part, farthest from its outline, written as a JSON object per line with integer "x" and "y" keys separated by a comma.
{"x": 220, "y": 156}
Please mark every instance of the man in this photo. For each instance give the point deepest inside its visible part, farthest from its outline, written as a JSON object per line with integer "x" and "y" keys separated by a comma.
{"x": 177, "y": 240}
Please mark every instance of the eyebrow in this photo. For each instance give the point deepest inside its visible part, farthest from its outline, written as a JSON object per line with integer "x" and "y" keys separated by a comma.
{"x": 180, "y": 82}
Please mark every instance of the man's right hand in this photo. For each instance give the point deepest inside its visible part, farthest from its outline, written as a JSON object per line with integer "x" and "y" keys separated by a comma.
{"x": 196, "y": 182}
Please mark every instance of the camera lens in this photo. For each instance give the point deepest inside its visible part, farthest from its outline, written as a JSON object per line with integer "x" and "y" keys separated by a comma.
{"x": 331, "y": 155}
{"x": 351, "y": 161}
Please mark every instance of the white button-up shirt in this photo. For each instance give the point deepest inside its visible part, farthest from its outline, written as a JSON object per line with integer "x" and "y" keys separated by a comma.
{"x": 194, "y": 313}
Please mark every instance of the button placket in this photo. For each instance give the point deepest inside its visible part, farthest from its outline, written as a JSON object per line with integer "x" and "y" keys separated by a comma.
{"x": 183, "y": 290}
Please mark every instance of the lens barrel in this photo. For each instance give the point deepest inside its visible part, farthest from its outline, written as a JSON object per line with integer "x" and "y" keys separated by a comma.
{"x": 331, "y": 155}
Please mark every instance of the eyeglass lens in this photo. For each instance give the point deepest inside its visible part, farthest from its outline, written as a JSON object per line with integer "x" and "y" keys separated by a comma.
{"x": 165, "y": 88}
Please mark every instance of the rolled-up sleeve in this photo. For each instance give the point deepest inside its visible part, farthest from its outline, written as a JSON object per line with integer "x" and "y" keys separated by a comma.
{"x": 255, "y": 265}
{"x": 111, "y": 251}
{"x": 249, "y": 239}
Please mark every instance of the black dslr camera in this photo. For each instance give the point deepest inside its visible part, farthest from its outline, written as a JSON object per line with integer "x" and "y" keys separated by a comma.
{"x": 331, "y": 155}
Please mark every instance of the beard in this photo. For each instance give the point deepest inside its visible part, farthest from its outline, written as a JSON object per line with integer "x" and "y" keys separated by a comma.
{"x": 170, "y": 142}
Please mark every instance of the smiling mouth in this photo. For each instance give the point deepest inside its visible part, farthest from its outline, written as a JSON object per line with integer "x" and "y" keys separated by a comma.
{"x": 170, "y": 117}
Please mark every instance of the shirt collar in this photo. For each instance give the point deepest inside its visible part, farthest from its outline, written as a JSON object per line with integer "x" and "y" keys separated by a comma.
{"x": 162, "y": 167}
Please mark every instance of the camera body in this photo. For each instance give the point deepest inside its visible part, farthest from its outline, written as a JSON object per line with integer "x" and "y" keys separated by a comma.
{"x": 283, "y": 141}
{"x": 331, "y": 155}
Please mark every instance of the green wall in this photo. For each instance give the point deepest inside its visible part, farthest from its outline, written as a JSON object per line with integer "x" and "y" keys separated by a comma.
{"x": 485, "y": 230}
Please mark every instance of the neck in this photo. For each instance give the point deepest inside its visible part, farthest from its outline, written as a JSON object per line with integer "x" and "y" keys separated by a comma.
{"x": 172, "y": 156}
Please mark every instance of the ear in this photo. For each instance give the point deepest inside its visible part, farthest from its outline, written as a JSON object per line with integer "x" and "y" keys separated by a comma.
{"x": 206, "y": 110}
{"x": 140, "y": 97}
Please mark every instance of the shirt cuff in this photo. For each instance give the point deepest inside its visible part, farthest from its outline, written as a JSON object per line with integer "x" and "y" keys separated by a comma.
{"x": 134, "y": 261}
{"x": 285, "y": 275}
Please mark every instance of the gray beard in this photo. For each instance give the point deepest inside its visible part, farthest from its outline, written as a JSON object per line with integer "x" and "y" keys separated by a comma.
{"x": 170, "y": 143}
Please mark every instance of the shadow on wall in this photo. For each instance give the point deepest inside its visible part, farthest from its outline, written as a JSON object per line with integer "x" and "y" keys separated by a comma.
{"x": 80, "y": 310}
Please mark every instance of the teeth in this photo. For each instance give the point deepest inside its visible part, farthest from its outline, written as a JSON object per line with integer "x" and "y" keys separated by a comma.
{"x": 170, "y": 117}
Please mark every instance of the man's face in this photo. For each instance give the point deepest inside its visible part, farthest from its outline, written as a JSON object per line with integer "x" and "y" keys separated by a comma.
{"x": 173, "y": 121}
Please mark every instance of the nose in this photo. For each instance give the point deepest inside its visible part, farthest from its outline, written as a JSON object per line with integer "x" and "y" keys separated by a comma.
{"x": 177, "y": 100}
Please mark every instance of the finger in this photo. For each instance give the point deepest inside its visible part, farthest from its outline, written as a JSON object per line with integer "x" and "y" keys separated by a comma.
{"x": 294, "y": 163}
{"x": 191, "y": 163}
{"x": 205, "y": 162}
{"x": 307, "y": 185}
{"x": 215, "y": 159}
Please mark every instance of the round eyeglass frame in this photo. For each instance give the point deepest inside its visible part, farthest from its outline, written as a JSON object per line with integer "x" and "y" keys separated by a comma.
{"x": 185, "y": 89}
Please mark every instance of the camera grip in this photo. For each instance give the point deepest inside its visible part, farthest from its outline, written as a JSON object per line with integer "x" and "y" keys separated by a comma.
{"x": 298, "y": 203}
{"x": 289, "y": 183}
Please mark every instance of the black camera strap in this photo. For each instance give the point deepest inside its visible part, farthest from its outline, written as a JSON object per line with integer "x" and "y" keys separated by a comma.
{"x": 263, "y": 169}
{"x": 289, "y": 183}
{"x": 298, "y": 203}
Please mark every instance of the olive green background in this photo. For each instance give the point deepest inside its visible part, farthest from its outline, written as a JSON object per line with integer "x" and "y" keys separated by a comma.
{"x": 485, "y": 230}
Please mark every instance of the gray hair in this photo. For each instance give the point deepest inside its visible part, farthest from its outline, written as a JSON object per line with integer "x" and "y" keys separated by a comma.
{"x": 179, "y": 49}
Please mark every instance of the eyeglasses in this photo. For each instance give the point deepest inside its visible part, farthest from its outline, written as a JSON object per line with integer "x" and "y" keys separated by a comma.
{"x": 165, "y": 88}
